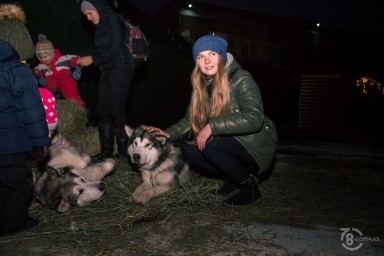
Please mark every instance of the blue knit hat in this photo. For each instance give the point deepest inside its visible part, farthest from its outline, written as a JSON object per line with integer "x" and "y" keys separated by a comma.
{"x": 210, "y": 43}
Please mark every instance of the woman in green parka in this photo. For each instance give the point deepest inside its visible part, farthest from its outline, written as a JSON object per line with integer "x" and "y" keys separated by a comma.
{"x": 225, "y": 133}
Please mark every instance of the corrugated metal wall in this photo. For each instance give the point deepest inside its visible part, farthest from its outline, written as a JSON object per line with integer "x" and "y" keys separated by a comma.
{"x": 326, "y": 103}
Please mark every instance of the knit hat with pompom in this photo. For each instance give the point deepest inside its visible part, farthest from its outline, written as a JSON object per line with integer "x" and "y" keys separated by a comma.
{"x": 44, "y": 46}
{"x": 13, "y": 30}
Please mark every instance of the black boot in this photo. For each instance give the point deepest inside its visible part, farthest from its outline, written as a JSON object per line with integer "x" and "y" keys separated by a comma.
{"x": 122, "y": 144}
{"x": 227, "y": 188}
{"x": 249, "y": 192}
{"x": 106, "y": 138}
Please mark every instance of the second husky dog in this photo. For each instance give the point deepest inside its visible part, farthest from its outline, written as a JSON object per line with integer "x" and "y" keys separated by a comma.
{"x": 160, "y": 163}
{"x": 67, "y": 179}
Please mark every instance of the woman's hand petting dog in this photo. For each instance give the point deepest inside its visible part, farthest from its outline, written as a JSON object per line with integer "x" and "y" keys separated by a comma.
{"x": 157, "y": 131}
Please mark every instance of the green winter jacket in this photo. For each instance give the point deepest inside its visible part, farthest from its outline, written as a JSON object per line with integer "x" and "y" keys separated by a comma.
{"x": 246, "y": 120}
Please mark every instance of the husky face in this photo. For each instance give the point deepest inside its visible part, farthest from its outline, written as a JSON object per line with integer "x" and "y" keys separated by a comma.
{"x": 145, "y": 149}
{"x": 64, "y": 189}
{"x": 81, "y": 192}
{"x": 67, "y": 179}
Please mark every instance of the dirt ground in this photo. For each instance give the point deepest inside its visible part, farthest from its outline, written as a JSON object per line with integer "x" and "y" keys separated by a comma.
{"x": 315, "y": 190}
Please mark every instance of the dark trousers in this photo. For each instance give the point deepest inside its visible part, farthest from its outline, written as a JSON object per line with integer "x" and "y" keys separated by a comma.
{"x": 223, "y": 157}
{"x": 113, "y": 91}
{"x": 15, "y": 191}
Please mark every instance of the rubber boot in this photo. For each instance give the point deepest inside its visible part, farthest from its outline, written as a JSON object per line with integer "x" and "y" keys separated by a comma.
{"x": 122, "y": 144}
{"x": 106, "y": 138}
{"x": 249, "y": 192}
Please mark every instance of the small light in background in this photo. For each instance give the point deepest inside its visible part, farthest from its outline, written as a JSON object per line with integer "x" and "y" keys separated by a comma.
{"x": 318, "y": 24}
{"x": 190, "y": 5}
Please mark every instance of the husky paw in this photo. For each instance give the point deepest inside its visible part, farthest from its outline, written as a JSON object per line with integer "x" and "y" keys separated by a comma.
{"x": 141, "y": 198}
{"x": 107, "y": 166}
{"x": 86, "y": 158}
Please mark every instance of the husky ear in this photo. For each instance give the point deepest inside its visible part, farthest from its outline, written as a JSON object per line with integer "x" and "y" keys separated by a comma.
{"x": 52, "y": 172}
{"x": 64, "y": 170}
{"x": 128, "y": 130}
{"x": 63, "y": 206}
{"x": 161, "y": 138}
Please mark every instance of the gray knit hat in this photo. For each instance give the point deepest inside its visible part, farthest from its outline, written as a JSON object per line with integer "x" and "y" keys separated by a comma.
{"x": 13, "y": 31}
{"x": 85, "y": 5}
{"x": 44, "y": 46}
{"x": 210, "y": 43}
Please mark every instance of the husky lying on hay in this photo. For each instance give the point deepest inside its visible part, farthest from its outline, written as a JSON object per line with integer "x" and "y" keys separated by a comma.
{"x": 68, "y": 179}
{"x": 160, "y": 163}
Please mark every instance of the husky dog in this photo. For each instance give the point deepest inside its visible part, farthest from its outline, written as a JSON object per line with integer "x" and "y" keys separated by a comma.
{"x": 160, "y": 163}
{"x": 68, "y": 180}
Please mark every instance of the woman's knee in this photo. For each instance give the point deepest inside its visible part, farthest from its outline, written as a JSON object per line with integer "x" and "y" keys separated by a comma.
{"x": 210, "y": 150}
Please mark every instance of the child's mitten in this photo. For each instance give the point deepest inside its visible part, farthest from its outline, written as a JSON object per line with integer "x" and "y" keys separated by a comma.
{"x": 42, "y": 82}
{"x": 76, "y": 75}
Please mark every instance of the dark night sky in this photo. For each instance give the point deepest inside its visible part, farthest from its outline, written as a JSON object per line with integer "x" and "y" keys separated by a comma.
{"x": 362, "y": 15}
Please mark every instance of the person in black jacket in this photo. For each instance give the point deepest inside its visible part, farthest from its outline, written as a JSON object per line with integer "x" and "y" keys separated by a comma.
{"x": 22, "y": 121}
{"x": 116, "y": 65}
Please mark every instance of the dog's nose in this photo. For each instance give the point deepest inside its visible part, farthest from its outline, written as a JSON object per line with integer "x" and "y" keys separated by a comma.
{"x": 101, "y": 186}
{"x": 136, "y": 157}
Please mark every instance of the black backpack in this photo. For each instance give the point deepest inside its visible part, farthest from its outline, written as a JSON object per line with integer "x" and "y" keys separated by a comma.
{"x": 137, "y": 43}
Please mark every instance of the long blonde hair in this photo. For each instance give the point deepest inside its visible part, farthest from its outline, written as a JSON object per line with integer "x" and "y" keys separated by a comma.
{"x": 202, "y": 107}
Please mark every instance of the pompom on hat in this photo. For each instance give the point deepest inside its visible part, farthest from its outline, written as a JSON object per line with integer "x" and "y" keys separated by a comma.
{"x": 44, "y": 46}
{"x": 210, "y": 43}
{"x": 13, "y": 30}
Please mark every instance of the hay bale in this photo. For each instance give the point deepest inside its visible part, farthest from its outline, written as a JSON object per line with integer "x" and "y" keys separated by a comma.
{"x": 72, "y": 120}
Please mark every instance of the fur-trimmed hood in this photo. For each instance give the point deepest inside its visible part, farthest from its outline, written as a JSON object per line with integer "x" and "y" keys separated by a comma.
{"x": 12, "y": 12}
{"x": 14, "y": 32}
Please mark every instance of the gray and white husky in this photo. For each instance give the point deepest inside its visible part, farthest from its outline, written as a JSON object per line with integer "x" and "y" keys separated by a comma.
{"x": 69, "y": 180}
{"x": 160, "y": 163}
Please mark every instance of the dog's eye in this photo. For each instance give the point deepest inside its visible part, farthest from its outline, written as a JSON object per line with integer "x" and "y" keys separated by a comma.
{"x": 81, "y": 191}
{"x": 82, "y": 180}
{"x": 147, "y": 145}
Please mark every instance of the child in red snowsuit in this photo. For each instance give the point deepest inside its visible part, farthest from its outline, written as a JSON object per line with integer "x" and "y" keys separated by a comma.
{"x": 56, "y": 69}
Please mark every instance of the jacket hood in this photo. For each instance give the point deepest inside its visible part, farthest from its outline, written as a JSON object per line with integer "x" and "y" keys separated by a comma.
{"x": 7, "y": 51}
{"x": 231, "y": 65}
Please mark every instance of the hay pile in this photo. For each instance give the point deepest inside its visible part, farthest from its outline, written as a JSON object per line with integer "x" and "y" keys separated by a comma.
{"x": 106, "y": 224}
{"x": 72, "y": 120}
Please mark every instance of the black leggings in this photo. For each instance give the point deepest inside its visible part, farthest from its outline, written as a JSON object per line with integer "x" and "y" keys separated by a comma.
{"x": 113, "y": 91}
{"x": 223, "y": 157}
{"x": 15, "y": 191}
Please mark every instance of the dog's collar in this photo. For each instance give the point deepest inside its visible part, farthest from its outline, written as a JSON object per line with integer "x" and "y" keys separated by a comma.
{"x": 59, "y": 140}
